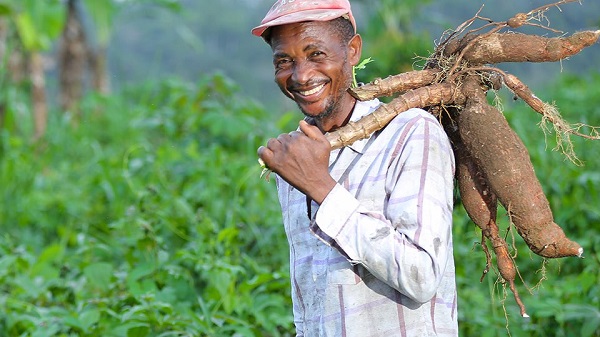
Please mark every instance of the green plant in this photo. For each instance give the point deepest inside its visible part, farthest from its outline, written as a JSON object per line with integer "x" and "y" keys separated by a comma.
{"x": 150, "y": 220}
{"x": 147, "y": 220}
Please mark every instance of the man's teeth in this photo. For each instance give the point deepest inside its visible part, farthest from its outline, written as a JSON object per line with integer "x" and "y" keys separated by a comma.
{"x": 312, "y": 91}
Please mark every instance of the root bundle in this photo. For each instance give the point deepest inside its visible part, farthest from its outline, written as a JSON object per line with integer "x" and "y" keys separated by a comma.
{"x": 493, "y": 164}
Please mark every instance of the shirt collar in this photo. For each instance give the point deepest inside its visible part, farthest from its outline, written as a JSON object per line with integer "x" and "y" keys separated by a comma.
{"x": 362, "y": 109}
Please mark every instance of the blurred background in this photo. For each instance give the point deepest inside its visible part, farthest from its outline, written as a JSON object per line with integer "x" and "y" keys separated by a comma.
{"x": 130, "y": 197}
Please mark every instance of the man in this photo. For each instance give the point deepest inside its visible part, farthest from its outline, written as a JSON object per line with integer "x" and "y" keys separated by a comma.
{"x": 369, "y": 225}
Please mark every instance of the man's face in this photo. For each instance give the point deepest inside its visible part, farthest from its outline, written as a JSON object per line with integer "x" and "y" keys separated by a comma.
{"x": 312, "y": 67}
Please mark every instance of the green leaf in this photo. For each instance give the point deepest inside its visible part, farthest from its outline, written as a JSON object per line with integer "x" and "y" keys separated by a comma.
{"x": 49, "y": 330}
{"x": 138, "y": 331}
{"x": 140, "y": 271}
{"x": 28, "y": 286}
{"x": 99, "y": 274}
{"x": 27, "y": 32}
{"x": 579, "y": 311}
{"x": 5, "y": 263}
{"x": 362, "y": 65}
{"x": 102, "y": 13}
{"x": 123, "y": 329}
{"x": 40, "y": 23}
{"x": 590, "y": 327}
{"x": 5, "y": 9}
{"x": 88, "y": 318}
{"x": 73, "y": 322}
{"x": 52, "y": 253}
{"x": 84, "y": 321}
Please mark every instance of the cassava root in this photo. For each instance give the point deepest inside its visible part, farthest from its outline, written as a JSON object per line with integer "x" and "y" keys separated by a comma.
{"x": 481, "y": 205}
{"x": 396, "y": 83}
{"x": 517, "y": 47}
{"x": 431, "y": 95}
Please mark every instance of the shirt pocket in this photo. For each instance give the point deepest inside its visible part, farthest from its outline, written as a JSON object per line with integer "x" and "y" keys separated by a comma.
{"x": 343, "y": 272}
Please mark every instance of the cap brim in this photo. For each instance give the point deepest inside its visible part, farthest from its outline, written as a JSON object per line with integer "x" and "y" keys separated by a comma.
{"x": 309, "y": 15}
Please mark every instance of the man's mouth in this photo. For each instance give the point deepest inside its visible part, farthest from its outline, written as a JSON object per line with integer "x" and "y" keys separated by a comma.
{"x": 310, "y": 94}
{"x": 312, "y": 91}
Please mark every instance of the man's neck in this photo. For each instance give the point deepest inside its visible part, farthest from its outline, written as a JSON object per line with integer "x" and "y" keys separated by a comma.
{"x": 339, "y": 118}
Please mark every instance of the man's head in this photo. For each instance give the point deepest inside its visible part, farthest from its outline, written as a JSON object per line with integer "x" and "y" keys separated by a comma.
{"x": 291, "y": 11}
{"x": 314, "y": 47}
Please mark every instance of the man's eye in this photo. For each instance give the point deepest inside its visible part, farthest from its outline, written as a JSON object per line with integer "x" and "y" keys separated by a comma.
{"x": 317, "y": 54}
{"x": 282, "y": 63}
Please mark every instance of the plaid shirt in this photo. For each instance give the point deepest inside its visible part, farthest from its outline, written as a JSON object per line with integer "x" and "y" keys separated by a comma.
{"x": 375, "y": 259}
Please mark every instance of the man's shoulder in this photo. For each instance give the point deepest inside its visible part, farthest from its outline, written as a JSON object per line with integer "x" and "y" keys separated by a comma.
{"x": 364, "y": 108}
{"x": 415, "y": 113}
{"x": 414, "y": 118}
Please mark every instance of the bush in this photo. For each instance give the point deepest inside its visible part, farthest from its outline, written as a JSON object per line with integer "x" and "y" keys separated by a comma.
{"x": 149, "y": 219}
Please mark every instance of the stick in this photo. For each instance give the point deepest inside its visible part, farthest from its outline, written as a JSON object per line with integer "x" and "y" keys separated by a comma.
{"x": 395, "y": 84}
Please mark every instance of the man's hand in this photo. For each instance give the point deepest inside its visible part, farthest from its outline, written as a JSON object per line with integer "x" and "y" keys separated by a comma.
{"x": 302, "y": 159}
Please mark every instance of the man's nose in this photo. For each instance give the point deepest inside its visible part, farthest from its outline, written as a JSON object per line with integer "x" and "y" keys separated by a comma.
{"x": 302, "y": 71}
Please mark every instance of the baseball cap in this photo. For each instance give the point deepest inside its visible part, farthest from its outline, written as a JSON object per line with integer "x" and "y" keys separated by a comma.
{"x": 292, "y": 11}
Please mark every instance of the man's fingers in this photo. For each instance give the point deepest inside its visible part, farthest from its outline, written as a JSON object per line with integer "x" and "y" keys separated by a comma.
{"x": 275, "y": 143}
{"x": 265, "y": 154}
{"x": 311, "y": 131}
{"x": 261, "y": 152}
{"x": 295, "y": 133}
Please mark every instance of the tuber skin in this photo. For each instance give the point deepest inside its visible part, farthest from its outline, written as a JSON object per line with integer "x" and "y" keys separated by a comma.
{"x": 481, "y": 205}
{"x": 435, "y": 94}
{"x": 518, "y": 47}
{"x": 477, "y": 198}
{"x": 504, "y": 161}
{"x": 506, "y": 266}
{"x": 395, "y": 83}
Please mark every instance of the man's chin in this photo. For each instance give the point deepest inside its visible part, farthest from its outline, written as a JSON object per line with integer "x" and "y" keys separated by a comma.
{"x": 315, "y": 115}
{"x": 313, "y": 111}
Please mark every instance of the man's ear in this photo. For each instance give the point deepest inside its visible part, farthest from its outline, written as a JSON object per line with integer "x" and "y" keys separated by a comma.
{"x": 354, "y": 50}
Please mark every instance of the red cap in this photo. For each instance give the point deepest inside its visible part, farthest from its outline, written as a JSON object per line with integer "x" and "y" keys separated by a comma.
{"x": 292, "y": 11}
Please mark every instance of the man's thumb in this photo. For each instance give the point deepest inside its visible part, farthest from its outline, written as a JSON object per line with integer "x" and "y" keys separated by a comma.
{"x": 310, "y": 131}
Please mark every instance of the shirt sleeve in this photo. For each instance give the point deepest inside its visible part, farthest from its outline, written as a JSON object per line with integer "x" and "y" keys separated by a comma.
{"x": 408, "y": 244}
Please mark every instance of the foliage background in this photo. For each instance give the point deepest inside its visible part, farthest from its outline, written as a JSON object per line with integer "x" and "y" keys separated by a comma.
{"x": 149, "y": 219}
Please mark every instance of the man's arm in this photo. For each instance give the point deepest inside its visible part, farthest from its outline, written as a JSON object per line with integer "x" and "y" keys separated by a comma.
{"x": 407, "y": 245}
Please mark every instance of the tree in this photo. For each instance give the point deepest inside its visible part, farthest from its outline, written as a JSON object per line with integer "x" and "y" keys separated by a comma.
{"x": 72, "y": 59}
{"x": 38, "y": 24}
{"x": 103, "y": 13}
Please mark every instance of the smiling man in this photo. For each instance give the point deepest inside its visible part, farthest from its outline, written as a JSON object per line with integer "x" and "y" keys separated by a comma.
{"x": 369, "y": 225}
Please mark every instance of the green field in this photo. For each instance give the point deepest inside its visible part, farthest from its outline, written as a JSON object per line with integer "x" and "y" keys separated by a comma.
{"x": 140, "y": 211}
{"x": 149, "y": 219}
